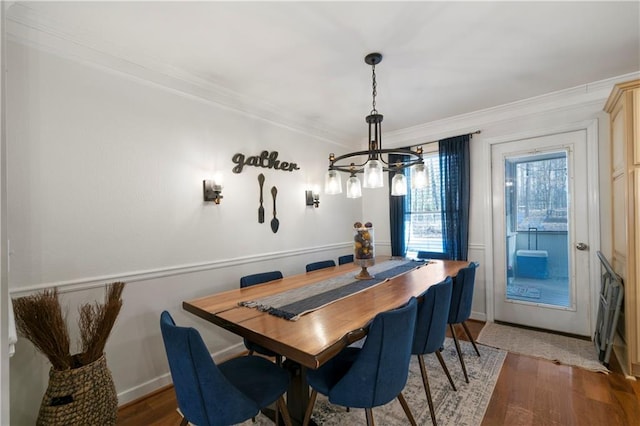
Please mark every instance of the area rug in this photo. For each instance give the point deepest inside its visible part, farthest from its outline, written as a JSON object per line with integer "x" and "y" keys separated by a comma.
{"x": 466, "y": 407}
{"x": 554, "y": 347}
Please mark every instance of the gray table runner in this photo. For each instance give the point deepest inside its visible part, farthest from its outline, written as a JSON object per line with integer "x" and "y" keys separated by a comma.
{"x": 292, "y": 304}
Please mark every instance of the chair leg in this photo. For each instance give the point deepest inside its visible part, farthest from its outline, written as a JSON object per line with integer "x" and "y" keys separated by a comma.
{"x": 427, "y": 389}
{"x": 369, "y": 413}
{"x": 446, "y": 370}
{"x": 455, "y": 339}
{"x": 405, "y": 407}
{"x": 279, "y": 360}
{"x": 282, "y": 407}
{"x": 184, "y": 422}
{"x": 312, "y": 402}
{"x": 473, "y": 342}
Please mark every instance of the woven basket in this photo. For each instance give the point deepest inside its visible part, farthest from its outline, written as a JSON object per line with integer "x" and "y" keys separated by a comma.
{"x": 80, "y": 396}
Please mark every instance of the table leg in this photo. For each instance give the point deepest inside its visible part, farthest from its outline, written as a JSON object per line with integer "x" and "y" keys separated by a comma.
{"x": 298, "y": 393}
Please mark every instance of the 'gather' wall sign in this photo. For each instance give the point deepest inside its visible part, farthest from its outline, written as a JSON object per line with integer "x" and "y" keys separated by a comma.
{"x": 266, "y": 159}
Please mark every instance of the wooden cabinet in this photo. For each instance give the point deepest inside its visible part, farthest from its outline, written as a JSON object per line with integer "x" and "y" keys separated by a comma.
{"x": 623, "y": 107}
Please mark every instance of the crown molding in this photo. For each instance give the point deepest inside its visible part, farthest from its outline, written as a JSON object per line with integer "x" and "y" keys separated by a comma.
{"x": 595, "y": 94}
{"x": 28, "y": 27}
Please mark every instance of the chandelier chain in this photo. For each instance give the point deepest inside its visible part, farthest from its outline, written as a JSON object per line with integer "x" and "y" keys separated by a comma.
{"x": 374, "y": 161}
{"x": 375, "y": 89}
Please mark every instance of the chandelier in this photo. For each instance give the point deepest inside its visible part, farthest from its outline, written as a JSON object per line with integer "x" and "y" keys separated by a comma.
{"x": 371, "y": 163}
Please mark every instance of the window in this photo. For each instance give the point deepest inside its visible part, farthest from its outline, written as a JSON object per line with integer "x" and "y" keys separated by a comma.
{"x": 423, "y": 221}
{"x": 537, "y": 193}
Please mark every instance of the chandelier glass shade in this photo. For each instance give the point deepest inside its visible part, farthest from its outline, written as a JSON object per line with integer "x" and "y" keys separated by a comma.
{"x": 373, "y": 174}
{"x": 354, "y": 188}
{"x": 372, "y": 163}
{"x": 419, "y": 176}
{"x": 399, "y": 184}
{"x": 333, "y": 183}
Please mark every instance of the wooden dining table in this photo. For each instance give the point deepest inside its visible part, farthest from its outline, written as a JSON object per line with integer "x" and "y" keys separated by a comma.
{"x": 317, "y": 336}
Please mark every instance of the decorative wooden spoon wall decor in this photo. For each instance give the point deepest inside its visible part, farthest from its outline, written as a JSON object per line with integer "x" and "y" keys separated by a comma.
{"x": 275, "y": 223}
{"x": 261, "y": 208}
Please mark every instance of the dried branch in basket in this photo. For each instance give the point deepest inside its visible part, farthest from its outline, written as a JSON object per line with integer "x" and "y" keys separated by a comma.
{"x": 40, "y": 320}
{"x": 96, "y": 321}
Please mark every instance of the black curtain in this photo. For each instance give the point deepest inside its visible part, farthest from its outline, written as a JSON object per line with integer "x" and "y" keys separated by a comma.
{"x": 397, "y": 212}
{"x": 455, "y": 194}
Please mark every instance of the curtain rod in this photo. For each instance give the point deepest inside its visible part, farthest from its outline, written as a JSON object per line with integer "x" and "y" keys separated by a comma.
{"x": 477, "y": 132}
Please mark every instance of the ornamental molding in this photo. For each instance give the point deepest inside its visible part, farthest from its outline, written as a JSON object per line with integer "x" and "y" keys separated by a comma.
{"x": 30, "y": 28}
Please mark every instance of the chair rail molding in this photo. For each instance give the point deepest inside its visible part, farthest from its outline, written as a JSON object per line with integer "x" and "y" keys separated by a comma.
{"x": 80, "y": 284}
{"x": 476, "y": 247}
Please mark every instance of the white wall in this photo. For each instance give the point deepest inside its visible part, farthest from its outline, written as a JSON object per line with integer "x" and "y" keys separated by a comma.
{"x": 577, "y": 106}
{"x": 5, "y": 349}
{"x": 105, "y": 178}
{"x": 105, "y": 183}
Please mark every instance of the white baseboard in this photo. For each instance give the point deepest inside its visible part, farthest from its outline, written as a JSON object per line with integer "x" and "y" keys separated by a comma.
{"x": 143, "y": 389}
{"x": 152, "y": 385}
{"x": 479, "y": 316}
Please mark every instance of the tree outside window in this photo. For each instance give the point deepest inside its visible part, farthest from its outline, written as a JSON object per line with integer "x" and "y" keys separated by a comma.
{"x": 541, "y": 194}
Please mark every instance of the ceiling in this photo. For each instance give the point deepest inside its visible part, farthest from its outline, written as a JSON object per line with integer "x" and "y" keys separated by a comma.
{"x": 304, "y": 61}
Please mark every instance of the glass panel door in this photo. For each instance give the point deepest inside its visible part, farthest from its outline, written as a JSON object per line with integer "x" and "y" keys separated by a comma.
{"x": 536, "y": 202}
{"x": 541, "y": 232}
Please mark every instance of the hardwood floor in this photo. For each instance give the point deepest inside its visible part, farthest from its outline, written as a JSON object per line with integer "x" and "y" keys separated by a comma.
{"x": 158, "y": 409}
{"x": 529, "y": 391}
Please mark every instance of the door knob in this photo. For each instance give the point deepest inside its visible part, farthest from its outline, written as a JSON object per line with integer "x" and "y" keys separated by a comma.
{"x": 582, "y": 246}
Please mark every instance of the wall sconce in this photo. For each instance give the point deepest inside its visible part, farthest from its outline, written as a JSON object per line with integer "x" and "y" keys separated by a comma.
{"x": 312, "y": 198}
{"x": 211, "y": 191}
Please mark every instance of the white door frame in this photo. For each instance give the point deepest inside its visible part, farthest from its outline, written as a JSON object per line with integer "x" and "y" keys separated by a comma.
{"x": 593, "y": 196}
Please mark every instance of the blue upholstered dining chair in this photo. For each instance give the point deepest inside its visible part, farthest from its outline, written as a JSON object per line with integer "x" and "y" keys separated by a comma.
{"x": 320, "y": 265}
{"x": 460, "y": 309}
{"x": 224, "y": 394}
{"x": 433, "y": 255}
{"x": 259, "y": 278}
{"x": 247, "y": 281}
{"x": 347, "y": 258}
{"x": 431, "y": 328}
{"x": 373, "y": 375}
